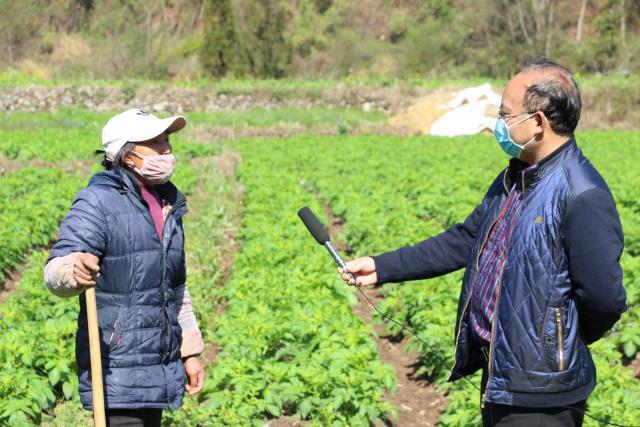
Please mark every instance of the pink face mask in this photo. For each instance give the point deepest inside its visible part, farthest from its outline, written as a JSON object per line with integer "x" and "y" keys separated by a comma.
{"x": 156, "y": 170}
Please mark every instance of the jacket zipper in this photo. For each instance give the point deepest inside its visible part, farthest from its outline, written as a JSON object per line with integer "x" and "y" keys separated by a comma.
{"x": 165, "y": 320}
{"x": 493, "y": 330}
{"x": 495, "y": 318}
{"x": 455, "y": 348}
{"x": 560, "y": 332}
{"x": 466, "y": 304}
{"x": 165, "y": 315}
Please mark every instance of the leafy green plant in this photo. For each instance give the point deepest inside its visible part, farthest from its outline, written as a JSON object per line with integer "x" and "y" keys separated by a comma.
{"x": 289, "y": 342}
{"x": 397, "y": 191}
{"x": 34, "y": 201}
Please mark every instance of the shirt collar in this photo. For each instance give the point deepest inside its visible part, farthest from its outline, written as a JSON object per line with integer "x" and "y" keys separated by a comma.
{"x": 531, "y": 174}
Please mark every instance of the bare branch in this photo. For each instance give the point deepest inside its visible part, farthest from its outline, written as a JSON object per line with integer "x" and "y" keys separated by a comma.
{"x": 583, "y": 9}
{"x": 523, "y": 25}
{"x": 549, "y": 29}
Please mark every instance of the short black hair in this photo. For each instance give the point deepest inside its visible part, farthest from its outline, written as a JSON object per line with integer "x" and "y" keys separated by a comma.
{"x": 556, "y": 95}
{"x": 117, "y": 163}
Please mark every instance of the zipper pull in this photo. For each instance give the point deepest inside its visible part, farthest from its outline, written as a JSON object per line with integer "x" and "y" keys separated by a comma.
{"x": 113, "y": 331}
{"x": 560, "y": 339}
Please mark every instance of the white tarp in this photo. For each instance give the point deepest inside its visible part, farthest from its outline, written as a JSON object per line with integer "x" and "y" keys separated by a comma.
{"x": 471, "y": 111}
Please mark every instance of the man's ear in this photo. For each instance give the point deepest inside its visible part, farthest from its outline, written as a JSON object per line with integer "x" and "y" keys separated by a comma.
{"x": 541, "y": 122}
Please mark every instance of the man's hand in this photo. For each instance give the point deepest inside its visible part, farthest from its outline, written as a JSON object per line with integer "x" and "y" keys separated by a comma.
{"x": 86, "y": 269}
{"x": 195, "y": 375}
{"x": 363, "y": 270}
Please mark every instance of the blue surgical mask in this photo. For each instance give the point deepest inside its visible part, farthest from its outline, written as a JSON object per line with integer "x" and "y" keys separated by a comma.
{"x": 507, "y": 144}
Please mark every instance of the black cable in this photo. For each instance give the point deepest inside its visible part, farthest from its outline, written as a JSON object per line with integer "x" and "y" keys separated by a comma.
{"x": 440, "y": 360}
{"x": 431, "y": 349}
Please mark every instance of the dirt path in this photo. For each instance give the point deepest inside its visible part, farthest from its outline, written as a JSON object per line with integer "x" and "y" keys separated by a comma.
{"x": 226, "y": 163}
{"x": 208, "y": 133}
{"x": 417, "y": 401}
{"x": 13, "y": 277}
{"x": 8, "y": 165}
{"x": 10, "y": 283}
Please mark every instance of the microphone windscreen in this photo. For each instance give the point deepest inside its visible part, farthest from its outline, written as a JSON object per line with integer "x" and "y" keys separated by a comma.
{"x": 313, "y": 225}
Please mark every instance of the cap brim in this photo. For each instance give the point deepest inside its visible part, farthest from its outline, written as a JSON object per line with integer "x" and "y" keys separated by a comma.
{"x": 177, "y": 123}
{"x": 168, "y": 125}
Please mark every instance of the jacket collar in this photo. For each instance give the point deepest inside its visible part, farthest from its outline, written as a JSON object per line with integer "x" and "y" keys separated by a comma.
{"x": 530, "y": 175}
{"x": 126, "y": 183}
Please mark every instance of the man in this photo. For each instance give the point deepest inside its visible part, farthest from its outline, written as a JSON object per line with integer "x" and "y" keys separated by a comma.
{"x": 541, "y": 252}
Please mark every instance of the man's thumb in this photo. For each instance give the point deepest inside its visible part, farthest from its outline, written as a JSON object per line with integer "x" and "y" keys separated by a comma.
{"x": 356, "y": 265}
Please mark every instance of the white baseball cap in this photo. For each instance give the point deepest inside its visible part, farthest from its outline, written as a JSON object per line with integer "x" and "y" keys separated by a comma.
{"x": 136, "y": 125}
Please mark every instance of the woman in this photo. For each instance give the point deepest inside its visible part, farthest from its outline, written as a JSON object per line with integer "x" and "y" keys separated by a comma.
{"x": 124, "y": 236}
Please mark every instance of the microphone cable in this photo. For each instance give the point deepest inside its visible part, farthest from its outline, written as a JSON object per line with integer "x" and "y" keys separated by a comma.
{"x": 322, "y": 237}
{"x": 442, "y": 362}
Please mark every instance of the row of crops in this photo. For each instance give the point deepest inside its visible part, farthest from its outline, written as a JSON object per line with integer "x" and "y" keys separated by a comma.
{"x": 298, "y": 343}
{"x": 395, "y": 191}
{"x": 289, "y": 344}
{"x": 286, "y": 341}
{"x": 392, "y": 192}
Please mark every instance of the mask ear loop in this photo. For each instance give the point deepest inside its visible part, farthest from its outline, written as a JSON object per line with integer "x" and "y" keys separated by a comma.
{"x": 521, "y": 121}
{"x": 523, "y": 146}
{"x": 132, "y": 166}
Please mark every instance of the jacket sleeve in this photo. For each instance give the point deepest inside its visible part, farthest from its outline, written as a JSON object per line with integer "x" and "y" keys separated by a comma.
{"x": 594, "y": 243}
{"x": 58, "y": 276}
{"x": 192, "y": 342}
{"x": 84, "y": 229}
{"x": 435, "y": 256}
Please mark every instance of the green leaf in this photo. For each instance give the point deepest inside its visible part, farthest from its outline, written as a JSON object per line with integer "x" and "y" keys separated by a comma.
{"x": 305, "y": 408}
{"x": 68, "y": 389}
{"x": 630, "y": 349}
{"x": 54, "y": 376}
{"x": 274, "y": 410}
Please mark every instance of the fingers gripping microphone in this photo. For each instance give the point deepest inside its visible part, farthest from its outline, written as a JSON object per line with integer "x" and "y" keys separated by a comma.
{"x": 320, "y": 234}
{"x": 322, "y": 237}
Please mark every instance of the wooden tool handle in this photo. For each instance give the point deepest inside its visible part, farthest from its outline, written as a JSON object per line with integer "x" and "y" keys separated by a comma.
{"x": 96, "y": 360}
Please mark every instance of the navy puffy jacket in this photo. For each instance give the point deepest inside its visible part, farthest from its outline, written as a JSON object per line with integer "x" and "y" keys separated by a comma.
{"x": 561, "y": 287}
{"x": 139, "y": 330}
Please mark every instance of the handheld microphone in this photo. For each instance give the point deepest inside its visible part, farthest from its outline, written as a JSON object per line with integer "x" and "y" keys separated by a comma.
{"x": 322, "y": 237}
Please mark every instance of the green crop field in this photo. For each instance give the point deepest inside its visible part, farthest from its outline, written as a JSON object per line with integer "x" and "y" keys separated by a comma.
{"x": 282, "y": 339}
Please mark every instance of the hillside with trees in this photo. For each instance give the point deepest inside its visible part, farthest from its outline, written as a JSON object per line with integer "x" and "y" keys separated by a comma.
{"x": 189, "y": 39}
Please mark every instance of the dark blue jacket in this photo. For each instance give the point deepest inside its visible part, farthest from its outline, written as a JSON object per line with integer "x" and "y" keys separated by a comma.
{"x": 560, "y": 289}
{"x": 137, "y": 311}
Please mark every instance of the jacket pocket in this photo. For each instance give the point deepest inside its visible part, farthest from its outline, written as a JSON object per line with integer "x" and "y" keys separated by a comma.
{"x": 554, "y": 337}
{"x": 111, "y": 332}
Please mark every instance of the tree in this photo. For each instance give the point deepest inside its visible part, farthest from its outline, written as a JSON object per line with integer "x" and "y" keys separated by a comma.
{"x": 266, "y": 48}
{"x": 20, "y": 23}
{"x": 219, "y": 50}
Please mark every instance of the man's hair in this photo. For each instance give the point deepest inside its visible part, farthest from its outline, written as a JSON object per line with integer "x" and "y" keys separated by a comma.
{"x": 556, "y": 95}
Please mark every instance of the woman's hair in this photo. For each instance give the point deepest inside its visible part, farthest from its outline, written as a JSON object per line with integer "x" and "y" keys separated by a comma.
{"x": 118, "y": 161}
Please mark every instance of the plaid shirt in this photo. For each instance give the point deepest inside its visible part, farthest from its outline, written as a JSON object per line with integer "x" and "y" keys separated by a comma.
{"x": 492, "y": 259}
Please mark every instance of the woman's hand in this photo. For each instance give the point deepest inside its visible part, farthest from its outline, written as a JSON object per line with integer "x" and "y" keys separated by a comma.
{"x": 86, "y": 269}
{"x": 195, "y": 375}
